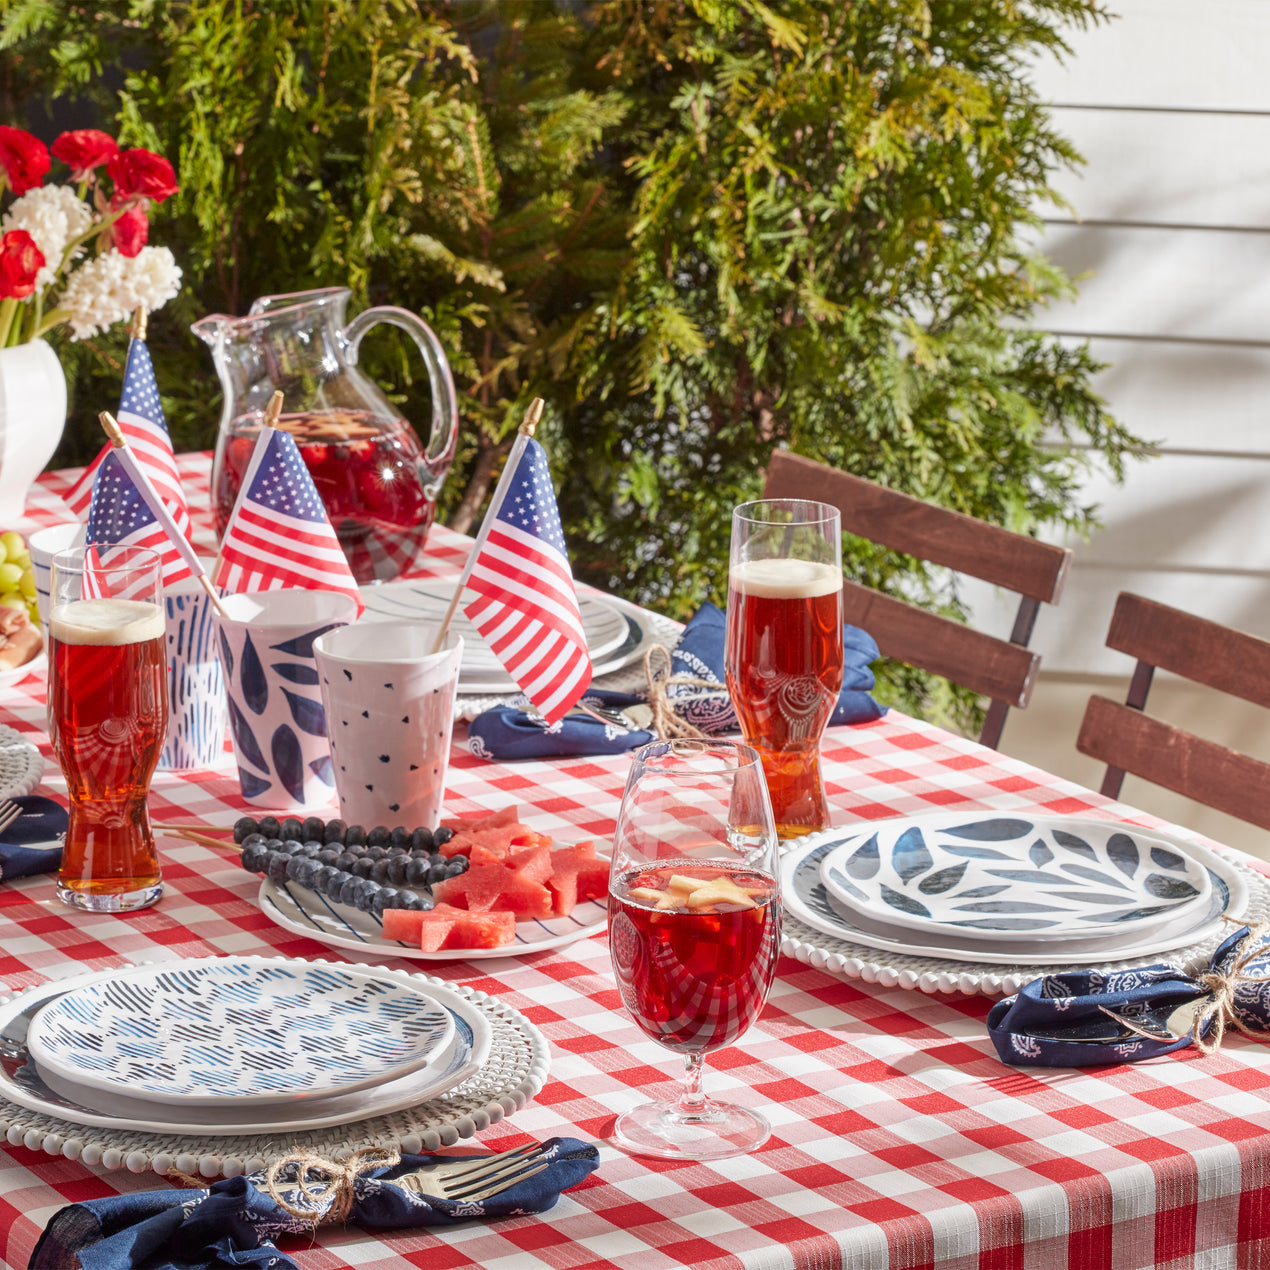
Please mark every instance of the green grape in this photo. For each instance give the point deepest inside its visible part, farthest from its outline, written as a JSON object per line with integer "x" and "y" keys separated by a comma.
{"x": 27, "y": 584}
{"x": 12, "y": 600}
{"x": 13, "y": 543}
{"x": 10, "y": 577}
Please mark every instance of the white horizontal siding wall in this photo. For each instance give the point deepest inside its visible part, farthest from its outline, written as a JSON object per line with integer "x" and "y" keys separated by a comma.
{"x": 1169, "y": 233}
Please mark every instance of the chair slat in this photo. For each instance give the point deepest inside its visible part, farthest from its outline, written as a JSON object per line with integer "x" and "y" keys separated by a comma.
{"x": 1193, "y": 647}
{"x": 980, "y": 662}
{"x": 917, "y": 528}
{"x": 1167, "y": 756}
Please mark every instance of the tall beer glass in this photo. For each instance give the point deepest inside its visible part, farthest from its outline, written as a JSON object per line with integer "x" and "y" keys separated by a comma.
{"x": 784, "y": 646}
{"x": 108, "y": 711}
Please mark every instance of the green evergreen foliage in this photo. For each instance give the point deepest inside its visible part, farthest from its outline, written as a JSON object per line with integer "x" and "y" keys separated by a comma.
{"x": 697, "y": 228}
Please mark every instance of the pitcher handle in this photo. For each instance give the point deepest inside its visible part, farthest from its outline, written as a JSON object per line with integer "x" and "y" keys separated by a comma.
{"x": 443, "y": 440}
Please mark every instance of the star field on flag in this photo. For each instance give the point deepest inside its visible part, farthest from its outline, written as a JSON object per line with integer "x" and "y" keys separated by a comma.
{"x": 279, "y": 535}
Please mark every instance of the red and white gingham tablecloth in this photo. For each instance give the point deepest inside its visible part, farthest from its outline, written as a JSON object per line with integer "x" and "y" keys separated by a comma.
{"x": 899, "y": 1139}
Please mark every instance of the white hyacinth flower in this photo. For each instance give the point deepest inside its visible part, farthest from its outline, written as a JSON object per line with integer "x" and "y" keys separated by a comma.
{"x": 110, "y": 287}
{"x": 54, "y": 215}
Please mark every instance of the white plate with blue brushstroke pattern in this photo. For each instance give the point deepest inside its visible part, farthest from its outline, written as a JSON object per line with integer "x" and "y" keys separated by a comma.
{"x": 1010, "y": 876}
{"x": 463, "y": 1058}
{"x": 806, "y": 899}
{"x": 239, "y": 1032}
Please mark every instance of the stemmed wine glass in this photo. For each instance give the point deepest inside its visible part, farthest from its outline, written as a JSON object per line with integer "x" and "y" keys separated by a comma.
{"x": 694, "y": 929}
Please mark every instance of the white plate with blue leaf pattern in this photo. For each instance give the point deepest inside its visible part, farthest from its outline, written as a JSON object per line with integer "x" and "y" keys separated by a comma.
{"x": 1012, "y": 877}
{"x": 239, "y": 1032}
{"x": 807, "y": 900}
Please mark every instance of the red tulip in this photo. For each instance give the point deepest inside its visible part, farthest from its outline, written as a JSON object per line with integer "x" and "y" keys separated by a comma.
{"x": 83, "y": 150}
{"x": 20, "y": 261}
{"x": 24, "y": 158}
{"x": 141, "y": 173}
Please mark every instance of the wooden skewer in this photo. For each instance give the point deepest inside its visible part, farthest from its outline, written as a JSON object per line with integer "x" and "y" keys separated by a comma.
{"x": 195, "y": 828}
{"x": 201, "y": 838}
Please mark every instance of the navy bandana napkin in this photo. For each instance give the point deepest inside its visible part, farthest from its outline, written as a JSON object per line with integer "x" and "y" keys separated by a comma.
{"x": 507, "y": 732}
{"x": 1058, "y": 1020}
{"x": 235, "y": 1223}
{"x": 32, "y": 844}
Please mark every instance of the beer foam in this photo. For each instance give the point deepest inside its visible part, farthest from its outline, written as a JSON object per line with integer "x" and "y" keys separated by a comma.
{"x": 106, "y": 622}
{"x": 785, "y": 579}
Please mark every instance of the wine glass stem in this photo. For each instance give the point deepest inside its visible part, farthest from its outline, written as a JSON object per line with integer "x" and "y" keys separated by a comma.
{"x": 692, "y": 1099}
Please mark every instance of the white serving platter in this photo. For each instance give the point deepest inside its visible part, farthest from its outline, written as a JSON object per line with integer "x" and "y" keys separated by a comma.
{"x": 1010, "y": 877}
{"x": 238, "y": 1032}
{"x": 305, "y": 912}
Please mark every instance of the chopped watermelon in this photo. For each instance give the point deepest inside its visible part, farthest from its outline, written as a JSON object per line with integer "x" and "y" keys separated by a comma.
{"x": 593, "y": 880}
{"x": 481, "y": 854}
{"x": 563, "y": 882}
{"x": 500, "y": 819}
{"x": 531, "y": 863}
{"x": 402, "y": 924}
{"x": 435, "y": 931}
{"x": 486, "y": 887}
{"x": 481, "y": 930}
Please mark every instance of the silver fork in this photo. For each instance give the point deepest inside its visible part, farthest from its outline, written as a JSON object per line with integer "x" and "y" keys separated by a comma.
{"x": 475, "y": 1178}
{"x": 9, "y": 812}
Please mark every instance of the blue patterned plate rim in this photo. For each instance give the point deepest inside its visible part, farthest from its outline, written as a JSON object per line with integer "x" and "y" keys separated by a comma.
{"x": 1007, "y": 875}
{"x": 472, "y": 1043}
{"x": 806, "y": 899}
{"x": 242, "y": 1031}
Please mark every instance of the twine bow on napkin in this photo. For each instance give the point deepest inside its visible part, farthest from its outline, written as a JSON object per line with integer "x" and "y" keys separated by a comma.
{"x": 236, "y": 1221}
{"x": 685, "y": 697}
{"x": 1084, "y": 1018}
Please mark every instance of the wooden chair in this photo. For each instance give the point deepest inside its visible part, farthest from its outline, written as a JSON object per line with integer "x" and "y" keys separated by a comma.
{"x": 1002, "y": 670}
{"x": 1129, "y": 741}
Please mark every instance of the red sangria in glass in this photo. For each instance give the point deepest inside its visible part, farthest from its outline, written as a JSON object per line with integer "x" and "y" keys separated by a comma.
{"x": 694, "y": 930}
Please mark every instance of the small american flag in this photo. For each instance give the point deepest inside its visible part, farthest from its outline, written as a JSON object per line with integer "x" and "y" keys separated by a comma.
{"x": 146, "y": 431}
{"x": 278, "y": 534}
{"x": 118, "y": 516}
{"x": 526, "y": 607}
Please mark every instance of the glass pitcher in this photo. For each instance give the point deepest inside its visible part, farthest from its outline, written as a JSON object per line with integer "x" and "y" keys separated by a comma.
{"x": 379, "y": 484}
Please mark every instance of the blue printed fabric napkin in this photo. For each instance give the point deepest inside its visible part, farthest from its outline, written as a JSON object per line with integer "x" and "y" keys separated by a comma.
{"x": 1059, "y": 1021}
{"x": 32, "y": 843}
{"x": 236, "y": 1222}
{"x": 507, "y": 732}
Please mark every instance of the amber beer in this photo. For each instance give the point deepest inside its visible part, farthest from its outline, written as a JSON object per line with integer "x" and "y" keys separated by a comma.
{"x": 784, "y": 670}
{"x": 108, "y": 712}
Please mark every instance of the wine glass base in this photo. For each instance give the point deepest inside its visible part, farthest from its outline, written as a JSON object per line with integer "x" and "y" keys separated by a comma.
{"x": 105, "y": 902}
{"x": 715, "y": 1132}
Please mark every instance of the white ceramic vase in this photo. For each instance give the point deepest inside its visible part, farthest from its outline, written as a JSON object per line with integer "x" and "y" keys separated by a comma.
{"x": 32, "y": 418}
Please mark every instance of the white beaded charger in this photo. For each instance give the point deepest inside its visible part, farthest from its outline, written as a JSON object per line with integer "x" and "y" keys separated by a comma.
{"x": 933, "y": 974}
{"x": 514, "y": 1073}
{"x": 21, "y": 763}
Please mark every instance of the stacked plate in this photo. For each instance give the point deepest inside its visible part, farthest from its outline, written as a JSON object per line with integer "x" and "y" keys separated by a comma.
{"x": 224, "y": 1047}
{"x": 616, "y": 636}
{"x": 1011, "y": 889}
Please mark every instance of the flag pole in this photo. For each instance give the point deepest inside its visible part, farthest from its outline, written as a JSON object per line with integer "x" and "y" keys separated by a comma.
{"x": 523, "y": 435}
{"x": 139, "y": 318}
{"x": 155, "y": 504}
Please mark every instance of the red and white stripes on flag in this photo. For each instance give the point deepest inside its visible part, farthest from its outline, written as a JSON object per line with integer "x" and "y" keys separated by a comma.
{"x": 144, "y": 428}
{"x": 525, "y": 605}
{"x": 279, "y": 535}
